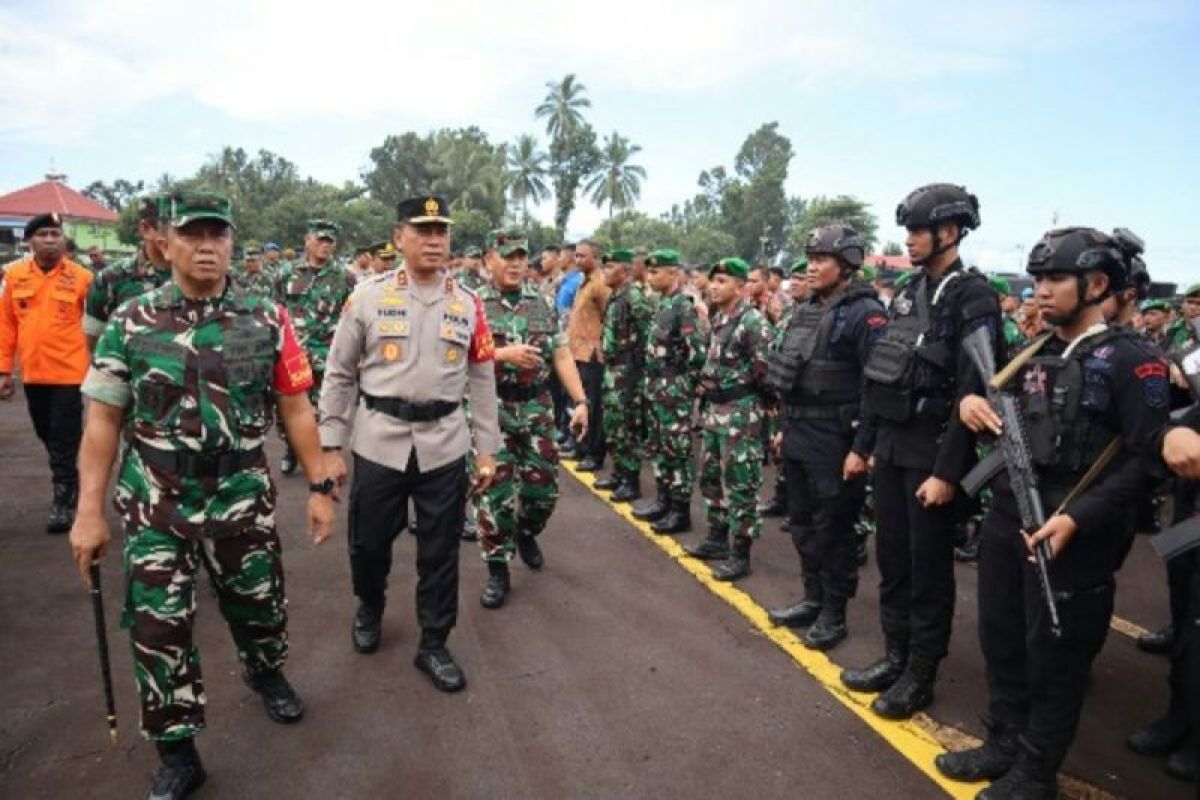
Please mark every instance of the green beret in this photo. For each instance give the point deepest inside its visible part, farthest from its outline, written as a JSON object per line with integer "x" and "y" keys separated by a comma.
{"x": 867, "y": 273}
{"x": 903, "y": 278}
{"x": 1155, "y": 304}
{"x": 622, "y": 255}
{"x": 733, "y": 267}
{"x": 664, "y": 257}
{"x": 324, "y": 229}
{"x": 1194, "y": 289}
{"x": 1000, "y": 285}
{"x": 800, "y": 265}
{"x": 185, "y": 208}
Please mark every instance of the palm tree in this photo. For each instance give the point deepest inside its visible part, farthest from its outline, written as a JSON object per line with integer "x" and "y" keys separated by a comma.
{"x": 525, "y": 172}
{"x": 617, "y": 183}
{"x": 560, "y": 108}
{"x": 467, "y": 174}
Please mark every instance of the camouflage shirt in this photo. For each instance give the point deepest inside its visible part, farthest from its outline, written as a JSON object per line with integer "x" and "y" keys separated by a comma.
{"x": 737, "y": 352}
{"x": 626, "y": 325}
{"x": 196, "y": 376}
{"x": 675, "y": 345}
{"x": 121, "y": 281}
{"x": 260, "y": 283}
{"x": 475, "y": 281}
{"x": 524, "y": 317}
{"x": 314, "y": 297}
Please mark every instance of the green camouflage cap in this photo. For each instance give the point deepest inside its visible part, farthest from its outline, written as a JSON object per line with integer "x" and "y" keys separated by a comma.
{"x": 799, "y": 265}
{"x": 324, "y": 229}
{"x": 1192, "y": 290}
{"x": 473, "y": 252}
{"x": 499, "y": 236}
{"x": 513, "y": 244}
{"x": 1155, "y": 304}
{"x": 733, "y": 267}
{"x": 622, "y": 255}
{"x": 1000, "y": 285}
{"x": 252, "y": 249}
{"x": 184, "y": 208}
{"x": 664, "y": 257}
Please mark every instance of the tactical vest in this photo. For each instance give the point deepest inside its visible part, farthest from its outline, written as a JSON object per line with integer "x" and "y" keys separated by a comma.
{"x": 667, "y": 333}
{"x": 619, "y": 316}
{"x": 725, "y": 359}
{"x": 909, "y": 373}
{"x": 540, "y": 326}
{"x": 800, "y": 370}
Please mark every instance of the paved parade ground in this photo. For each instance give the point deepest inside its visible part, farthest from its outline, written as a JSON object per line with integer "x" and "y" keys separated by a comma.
{"x": 613, "y": 673}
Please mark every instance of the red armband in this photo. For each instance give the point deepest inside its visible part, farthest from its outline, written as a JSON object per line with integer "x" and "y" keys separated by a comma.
{"x": 293, "y": 374}
{"x": 482, "y": 346}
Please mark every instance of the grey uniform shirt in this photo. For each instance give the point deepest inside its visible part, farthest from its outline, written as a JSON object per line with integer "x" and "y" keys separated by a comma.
{"x": 418, "y": 343}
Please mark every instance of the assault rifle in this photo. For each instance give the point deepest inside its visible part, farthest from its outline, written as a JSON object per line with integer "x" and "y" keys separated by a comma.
{"x": 1013, "y": 445}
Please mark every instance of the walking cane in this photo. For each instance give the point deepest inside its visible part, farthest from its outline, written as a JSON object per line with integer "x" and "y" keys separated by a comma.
{"x": 102, "y": 644}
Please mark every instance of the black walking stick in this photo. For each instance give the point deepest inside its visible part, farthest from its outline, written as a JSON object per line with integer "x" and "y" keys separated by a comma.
{"x": 102, "y": 644}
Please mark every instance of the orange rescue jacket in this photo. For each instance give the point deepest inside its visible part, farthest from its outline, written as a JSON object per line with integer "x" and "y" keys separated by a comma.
{"x": 41, "y": 322}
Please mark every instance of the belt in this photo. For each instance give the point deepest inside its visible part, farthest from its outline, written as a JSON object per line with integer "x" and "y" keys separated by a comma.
{"x": 521, "y": 394}
{"x": 729, "y": 395}
{"x": 813, "y": 412}
{"x": 410, "y": 412}
{"x": 190, "y": 464}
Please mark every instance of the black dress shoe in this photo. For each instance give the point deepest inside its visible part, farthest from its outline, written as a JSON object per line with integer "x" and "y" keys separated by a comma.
{"x": 367, "y": 624}
{"x": 797, "y": 615}
{"x": 607, "y": 484}
{"x": 878, "y": 675}
{"x": 1158, "y": 642}
{"x": 179, "y": 774}
{"x": 497, "y": 585}
{"x": 530, "y": 552}
{"x": 442, "y": 671}
{"x": 1181, "y": 765}
{"x": 278, "y": 696}
{"x": 1160, "y": 737}
{"x": 589, "y": 464}
{"x": 62, "y": 509}
{"x": 908, "y": 695}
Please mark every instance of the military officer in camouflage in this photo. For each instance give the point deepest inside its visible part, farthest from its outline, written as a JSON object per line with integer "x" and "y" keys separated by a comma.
{"x": 474, "y": 275}
{"x": 191, "y": 375}
{"x": 623, "y": 345}
{"x": 732, "y": 384}
{"x": 528, "y": 342}
{"x": 252, "y": 278}
{"x": 675, "y": 351}
{"x": 313, "y": 291}
{"x": 410, "y": 344}
{"x": 131, "y": 277}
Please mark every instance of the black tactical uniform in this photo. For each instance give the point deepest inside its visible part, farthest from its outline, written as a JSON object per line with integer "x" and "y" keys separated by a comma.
{"x": 913, "y": 382}
{"x": 1075, "y": 399}
{"x": 816, "y": 369}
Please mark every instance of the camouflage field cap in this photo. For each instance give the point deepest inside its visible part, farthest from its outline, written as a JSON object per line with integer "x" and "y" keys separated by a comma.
{"x": 184, "y": 208}
{"x": 664, "y": 257}
{"x": 1192, "y": 290}
{"x": 472, "y": 252}
{"x": 514, "y": 241}
{"x": 252, "y": 250}
{"x": 324, "y": 229}
{"x": 733, "y": 267}
{"x": 1156, "y": 304}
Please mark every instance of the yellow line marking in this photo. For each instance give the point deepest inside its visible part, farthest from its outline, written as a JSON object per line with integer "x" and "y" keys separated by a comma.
{"x": 919, "y": 740}
{"x": 1130, "y": 629}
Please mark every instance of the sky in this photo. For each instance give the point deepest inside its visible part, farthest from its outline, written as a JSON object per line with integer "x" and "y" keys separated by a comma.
{"x": 1053, "y": 114}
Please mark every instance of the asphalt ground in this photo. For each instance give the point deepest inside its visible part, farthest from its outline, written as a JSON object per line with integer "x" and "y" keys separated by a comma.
{"x": 613, "y": 673}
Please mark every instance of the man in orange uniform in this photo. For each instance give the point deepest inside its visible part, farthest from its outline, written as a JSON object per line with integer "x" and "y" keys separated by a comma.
{"x": 41, "y": 328}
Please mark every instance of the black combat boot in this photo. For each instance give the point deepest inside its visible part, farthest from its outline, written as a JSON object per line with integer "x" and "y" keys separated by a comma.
{"x": 629, "y": 490}
{"x": 1029, "y": 778}
{"x": 529, "y": 551}
{"x": 657, "y": 509}
{"x": 1158, "y": 642}
{"x": 829, "y": 629}
{"x": 609, "y": 483}
{"x": 1181, "y": 765}
{"x": 288, "y": 464}
{"x": 590, "y": 464}
{"x": 62, "y": 509}
{"x": 714, "y": 547}
{"x": 1162, "y": 736}
{"x": 497, "y": 585}
{"x": 278, "y": 696}
{"x": 879, "y": 675}
{"x": 986, "y": 762}
{"x": 678, "y": 519}
{"x": 771, "y": 508}
{"x": 737, "y": 566}
{"x": 368, "y": 622}
{"x": 804, "y": 613}
{"x": 912, "y": 692}
{"x": 180, "y": 772}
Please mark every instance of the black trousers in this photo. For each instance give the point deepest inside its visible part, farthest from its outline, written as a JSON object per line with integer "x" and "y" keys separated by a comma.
{"x": 559, "y": 396}
{"x": 379, "y": 499}
{"x": 822, "y": 528}
{"x": 592, "y": 375}
{"x": 1181, "y": 572}
{"x": 57, "y": 414}
{"x": 1035, "y": 681}
{"x": 915, "y": 549}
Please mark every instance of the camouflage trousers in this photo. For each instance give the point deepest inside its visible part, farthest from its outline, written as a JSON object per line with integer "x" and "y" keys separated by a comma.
{"x": 160, "y": 606}
{"x": 523, "y": 495}
{"x": 669, "y": 441}
{"x": 624, "y": 412}
{"x": 731, "y": 465}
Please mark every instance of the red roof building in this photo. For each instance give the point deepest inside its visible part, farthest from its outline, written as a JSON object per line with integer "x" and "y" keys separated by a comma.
{"x": 889, "y": 262}
{"x": 53, "y": 195}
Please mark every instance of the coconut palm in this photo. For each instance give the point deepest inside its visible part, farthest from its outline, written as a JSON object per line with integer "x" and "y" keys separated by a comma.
{"x": 561, "y": 106}
{"x": 617, "y": 183}
{"x": 467, "y": 174}
{"x": 525, "y": 172}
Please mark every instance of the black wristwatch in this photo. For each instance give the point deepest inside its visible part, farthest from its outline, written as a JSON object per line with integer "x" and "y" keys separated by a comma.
{"x": 324, "y": 487}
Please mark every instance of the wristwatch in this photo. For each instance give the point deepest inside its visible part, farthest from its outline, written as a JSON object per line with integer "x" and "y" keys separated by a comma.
{"x": 324, "y": 487}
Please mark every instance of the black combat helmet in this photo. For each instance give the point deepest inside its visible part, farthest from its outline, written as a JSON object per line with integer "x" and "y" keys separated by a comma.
{"x": 936, "y": 203}
{"x": 840, "y": 241}
{"x": 1081, "y": 250}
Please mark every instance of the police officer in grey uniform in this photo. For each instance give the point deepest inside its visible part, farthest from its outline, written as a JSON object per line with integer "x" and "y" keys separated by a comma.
{"x": 409, "y": 345}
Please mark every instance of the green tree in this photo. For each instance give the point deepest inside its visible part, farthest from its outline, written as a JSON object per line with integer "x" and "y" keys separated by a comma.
{"x": 116, "y": 195}
{"x": 470, "y": 229}
{"x": 755, "y": 206}
{"x": 572, "y": 159}
{"x": 525, "y": 172}
{"x": 633, "y": 229}
{"x": 400, "y": 167}
{"x": 893, "y": 249}
{"x": 561, "y": 106}
{"x": 707, "y": 245}
{"x": 845, "y": 209}
{"x": 469, "y": 171}
{"x": 617, "y": 183}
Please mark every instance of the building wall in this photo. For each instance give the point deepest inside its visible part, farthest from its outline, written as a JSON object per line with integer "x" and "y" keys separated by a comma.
{"x": 103, "y": 234}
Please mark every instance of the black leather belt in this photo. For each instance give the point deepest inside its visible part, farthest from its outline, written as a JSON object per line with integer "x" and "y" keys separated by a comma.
{"x": 189, "y": 464}
{"x": 521, "y": 394}
{"x": 410, "y": 412}
{"x": 813, "y": 412}
{"x": 728, "y": 395}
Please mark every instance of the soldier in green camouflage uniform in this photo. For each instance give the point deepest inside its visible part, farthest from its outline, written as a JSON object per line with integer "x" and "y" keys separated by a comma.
{"x": 252, "y": 278}
{"x": 473, "y": 275}
{"x": 675, "y": 351}
{"x": 131, "y": 277}
{"x": 623, "y": 345}
{"x": 314, "y": 290}
{"x": 732, "y": 419}
{"x": 524, "y": 326}
{"x": 1181, "y": 332}
{"x": 193, "y": 374}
